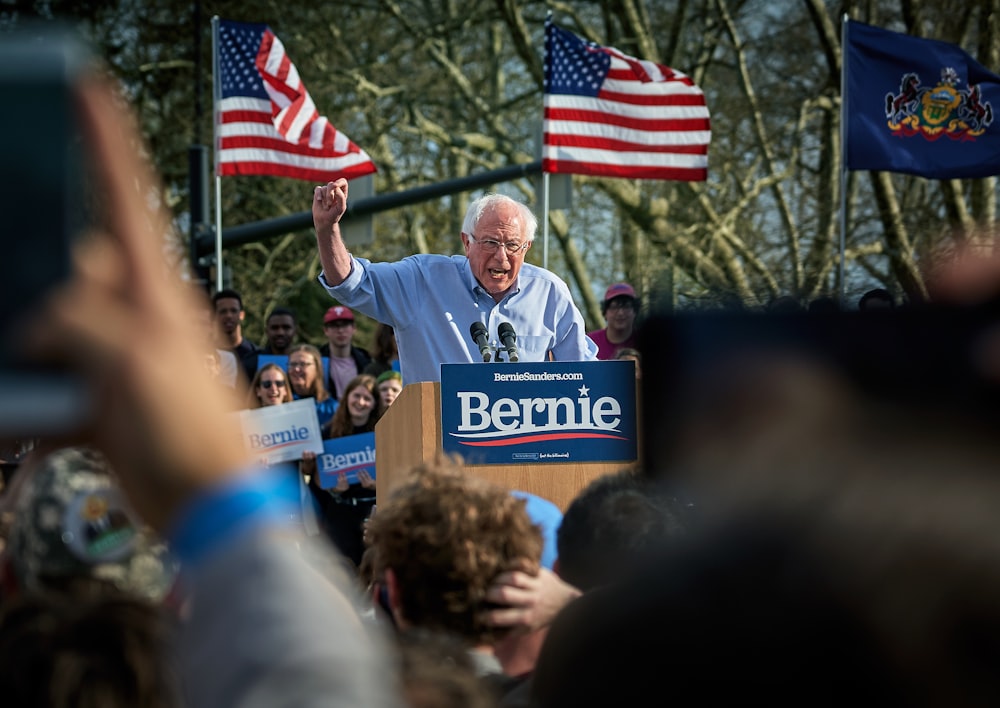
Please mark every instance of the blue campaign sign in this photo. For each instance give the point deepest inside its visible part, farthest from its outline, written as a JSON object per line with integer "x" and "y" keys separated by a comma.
{"x": 560, "y": 411}
{"x": 265, "y": 359}
{"x": 350, "y": 454}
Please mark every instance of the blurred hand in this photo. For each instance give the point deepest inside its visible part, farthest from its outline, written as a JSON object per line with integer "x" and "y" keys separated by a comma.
{"x": 366, "y": 480}
{"x": 124, "y": 323}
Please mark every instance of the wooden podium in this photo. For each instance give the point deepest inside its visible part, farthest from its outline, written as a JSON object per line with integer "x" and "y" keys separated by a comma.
{"x": 410, "y": 433}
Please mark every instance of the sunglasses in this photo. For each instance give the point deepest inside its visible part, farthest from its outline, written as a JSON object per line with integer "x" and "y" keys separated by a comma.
{"x": 269, "y": 384}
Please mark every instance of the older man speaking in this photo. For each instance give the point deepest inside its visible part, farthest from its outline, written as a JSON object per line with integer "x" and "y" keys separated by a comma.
{"x": 431, "y": 301}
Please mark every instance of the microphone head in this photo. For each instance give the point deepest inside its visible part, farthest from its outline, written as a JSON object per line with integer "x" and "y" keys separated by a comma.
{"x": 506, "y": 329}
{"x": 477, "y": 328}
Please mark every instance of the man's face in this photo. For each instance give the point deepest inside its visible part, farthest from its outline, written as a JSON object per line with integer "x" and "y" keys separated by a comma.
{"x": 620, "y": 314}
{"x": 339, "y": 332}
{"x": 496, "y": 270}
{"x": 228, "y": 314}
{"x": 280, "y": 330}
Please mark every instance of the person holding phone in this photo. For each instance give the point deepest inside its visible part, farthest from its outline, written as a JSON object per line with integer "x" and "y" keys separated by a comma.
{"x": 261, "y": 616}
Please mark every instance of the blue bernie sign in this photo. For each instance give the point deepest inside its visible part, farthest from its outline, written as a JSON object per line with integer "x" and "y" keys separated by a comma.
{"x": 350, "y": 454}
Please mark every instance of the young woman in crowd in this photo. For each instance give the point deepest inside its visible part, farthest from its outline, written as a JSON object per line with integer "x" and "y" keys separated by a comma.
{"x": 346, "y": 506}
{"x": 305, "y": 374}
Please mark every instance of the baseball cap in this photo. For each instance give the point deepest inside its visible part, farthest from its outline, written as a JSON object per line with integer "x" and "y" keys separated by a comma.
{"x": 547, "y": 517}
{"x": 72, "y": 520}
{"x": 338, "y": 312}
{"x": 619, "y": 290}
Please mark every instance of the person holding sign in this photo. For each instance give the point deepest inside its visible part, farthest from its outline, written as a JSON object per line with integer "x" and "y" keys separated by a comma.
{"x": 345, "y": 507}
{"x": 269, "y": 387}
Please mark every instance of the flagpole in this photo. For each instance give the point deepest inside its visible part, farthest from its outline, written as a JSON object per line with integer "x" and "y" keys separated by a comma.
{"x": 844, "y": 53}
{"x": 545, "y": 175}
{"x": 545, "y": 220}
{"x": 216, "y": 100}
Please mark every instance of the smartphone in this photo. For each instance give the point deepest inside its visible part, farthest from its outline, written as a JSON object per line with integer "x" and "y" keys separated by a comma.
{"x": 41, "y": 187}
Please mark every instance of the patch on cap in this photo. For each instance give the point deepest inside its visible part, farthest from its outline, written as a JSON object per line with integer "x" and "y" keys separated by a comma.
{"x": 338, "y": 312}
{"x": 97, "y": 528}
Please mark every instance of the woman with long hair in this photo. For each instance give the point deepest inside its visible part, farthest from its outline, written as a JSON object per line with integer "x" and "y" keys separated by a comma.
{"x": 305, "y": 374}
{"x": 358, "y": 410}
{"x": 346, "y": 506}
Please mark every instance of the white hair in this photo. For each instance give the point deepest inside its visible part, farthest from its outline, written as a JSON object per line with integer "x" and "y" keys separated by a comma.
{"x": 475, "y": 212}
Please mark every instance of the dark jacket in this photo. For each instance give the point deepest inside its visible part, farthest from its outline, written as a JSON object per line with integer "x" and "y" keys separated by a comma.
{"x": 361, "y": 357}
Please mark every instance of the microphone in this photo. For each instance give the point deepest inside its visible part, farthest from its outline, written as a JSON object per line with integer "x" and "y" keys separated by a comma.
{"x": 479, "y": 334}
{"x": 506, "y": 333}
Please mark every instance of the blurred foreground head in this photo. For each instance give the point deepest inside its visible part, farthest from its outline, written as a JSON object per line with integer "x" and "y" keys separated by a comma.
{"x": 72, "y": 524}
{"x": 845, "y": 469}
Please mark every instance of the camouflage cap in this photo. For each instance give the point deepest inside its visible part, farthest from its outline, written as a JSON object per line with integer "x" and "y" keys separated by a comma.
{"x": 71, "y": 520}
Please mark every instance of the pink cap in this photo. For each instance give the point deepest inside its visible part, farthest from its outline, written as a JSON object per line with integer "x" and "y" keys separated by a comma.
{"x": 619, "y": 290}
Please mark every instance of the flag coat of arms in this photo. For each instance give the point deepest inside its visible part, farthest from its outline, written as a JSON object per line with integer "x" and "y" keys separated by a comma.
{"x": 918, "y": 106}
{"x": 612, "y": 115}
{"x": 267, "y": 123}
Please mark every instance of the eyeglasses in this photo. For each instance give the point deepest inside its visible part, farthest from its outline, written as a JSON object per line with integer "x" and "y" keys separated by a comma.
{"x": 620, "y": 305}
{"x": 269, "y": 384}
{"x": 492, "y": 246}
{"x": 300, "y": 364}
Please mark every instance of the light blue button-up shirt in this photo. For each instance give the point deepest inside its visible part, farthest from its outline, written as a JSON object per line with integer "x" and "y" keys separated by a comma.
{"x": 431, "y": 301}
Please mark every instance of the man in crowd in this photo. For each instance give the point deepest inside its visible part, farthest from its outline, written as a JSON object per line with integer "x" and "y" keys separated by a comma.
{"x": 346, "y": 360}
{"x": 280, "y": 329}
{"x": 619, "y": 307}
{"x": 421, "y": 540}
{"x": 229, "y": 316}
{"x": 432, "y": 300}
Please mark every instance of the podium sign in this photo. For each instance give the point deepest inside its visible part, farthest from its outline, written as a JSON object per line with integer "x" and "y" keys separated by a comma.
{"x": 560, "y": 411}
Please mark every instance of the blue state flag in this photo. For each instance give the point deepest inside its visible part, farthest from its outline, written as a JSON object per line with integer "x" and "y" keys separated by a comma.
{"x": 918, "y": 106}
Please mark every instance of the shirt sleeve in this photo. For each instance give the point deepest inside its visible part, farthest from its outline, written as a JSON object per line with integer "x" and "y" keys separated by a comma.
{"x": 263, "y": 610}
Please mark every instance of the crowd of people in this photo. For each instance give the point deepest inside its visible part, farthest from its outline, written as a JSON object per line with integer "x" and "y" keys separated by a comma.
{"x": 814, "y": 520}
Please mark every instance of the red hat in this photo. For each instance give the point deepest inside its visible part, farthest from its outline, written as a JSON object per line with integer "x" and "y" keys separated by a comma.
{"x": 338, "y": 312}
{"x": 619, "y": 290}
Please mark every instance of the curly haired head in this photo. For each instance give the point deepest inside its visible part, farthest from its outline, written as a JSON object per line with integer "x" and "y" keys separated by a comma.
{"x": 446, "y": 536}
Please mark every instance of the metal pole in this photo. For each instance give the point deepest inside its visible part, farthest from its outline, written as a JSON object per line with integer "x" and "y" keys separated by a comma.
{"x": 841, "y": 270}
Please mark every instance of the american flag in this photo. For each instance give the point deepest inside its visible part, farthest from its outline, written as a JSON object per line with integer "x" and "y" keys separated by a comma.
{"x": 611, "y": 115}
{"x": 267, "y": 124}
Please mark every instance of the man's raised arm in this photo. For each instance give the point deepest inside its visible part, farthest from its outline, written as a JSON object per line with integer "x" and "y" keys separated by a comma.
{"x": 329, "y": 205}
